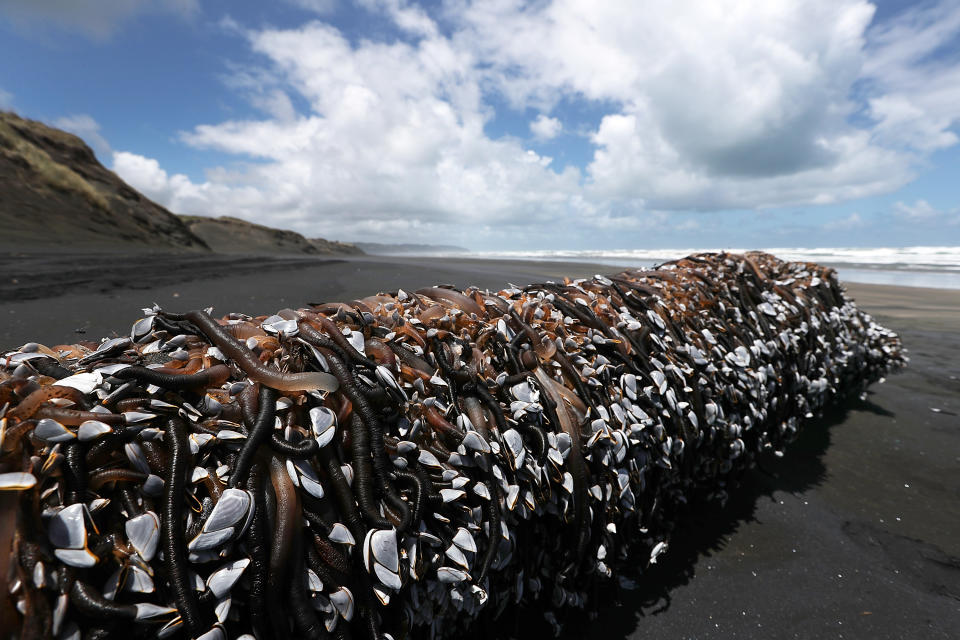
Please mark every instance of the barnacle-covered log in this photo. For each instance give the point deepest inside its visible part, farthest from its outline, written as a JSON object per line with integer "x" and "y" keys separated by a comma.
{"x": 404, "y": 462}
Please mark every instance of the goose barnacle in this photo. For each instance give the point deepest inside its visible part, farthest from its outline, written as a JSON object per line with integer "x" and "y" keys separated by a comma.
{"x": 474, "y": 421}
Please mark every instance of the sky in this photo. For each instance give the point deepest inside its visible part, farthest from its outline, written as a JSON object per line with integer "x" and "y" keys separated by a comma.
{"x": 506, "y": 125}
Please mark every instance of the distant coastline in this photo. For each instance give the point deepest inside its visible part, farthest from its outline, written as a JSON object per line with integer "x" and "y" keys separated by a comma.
{"x": 409, "y": 249}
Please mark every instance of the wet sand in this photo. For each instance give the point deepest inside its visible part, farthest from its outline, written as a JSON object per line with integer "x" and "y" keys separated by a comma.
{"x": 85, "y": 297}
{"x": 854, "y": 533}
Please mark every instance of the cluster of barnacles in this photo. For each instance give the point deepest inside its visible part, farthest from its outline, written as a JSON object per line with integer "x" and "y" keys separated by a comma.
{"x": 396, "y": 465}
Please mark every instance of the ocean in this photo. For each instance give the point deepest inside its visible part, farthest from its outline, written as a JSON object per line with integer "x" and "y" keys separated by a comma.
{"x": 935, "y": 267}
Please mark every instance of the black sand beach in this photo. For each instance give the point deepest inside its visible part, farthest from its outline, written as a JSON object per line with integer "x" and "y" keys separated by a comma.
{"x": 854, "y": 533}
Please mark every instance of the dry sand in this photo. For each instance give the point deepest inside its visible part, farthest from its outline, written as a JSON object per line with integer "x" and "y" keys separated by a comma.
{"x": 854, "y": 533}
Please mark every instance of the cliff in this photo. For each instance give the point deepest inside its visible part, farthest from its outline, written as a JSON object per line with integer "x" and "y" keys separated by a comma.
{"x": 55, "y": 194}
{"x": 232, "y": 235}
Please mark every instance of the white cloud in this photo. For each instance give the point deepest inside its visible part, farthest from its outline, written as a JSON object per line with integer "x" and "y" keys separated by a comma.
{"x": 87, "y": 128}
{"x": 94, "y": 18}
{"x": 6, "y": 99}
{"x": 405, "y": 15}
{"x": 180, "y": 195}
{"x": 720, "y": 104}
{"x": 914, "y": 77}
{"x": 545, "y": 127}
{"x": 903, "y": 123}
{"x": 919, "y": 210}
{"x": 700, "y": 105}
{"x": 321, "y": 7}
{"x": 853, "y": 221}
{"x": 146, "y": 176}
{"x": 394, "y": 143}
{"x": 921, "y": 213}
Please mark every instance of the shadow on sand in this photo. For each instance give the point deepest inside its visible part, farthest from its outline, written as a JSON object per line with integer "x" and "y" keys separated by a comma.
{"x": 702, "y": 530}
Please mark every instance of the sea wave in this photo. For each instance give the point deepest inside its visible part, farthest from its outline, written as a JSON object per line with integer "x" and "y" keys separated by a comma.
{"x": 937, "y": 267}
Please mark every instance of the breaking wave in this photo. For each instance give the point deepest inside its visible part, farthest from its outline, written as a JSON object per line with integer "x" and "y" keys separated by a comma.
{"x": 937, "y": 267}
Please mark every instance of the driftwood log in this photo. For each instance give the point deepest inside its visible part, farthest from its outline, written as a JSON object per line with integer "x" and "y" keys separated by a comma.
{"x": 399, "y": 464}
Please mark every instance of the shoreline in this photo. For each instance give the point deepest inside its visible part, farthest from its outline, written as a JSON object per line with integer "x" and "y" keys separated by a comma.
{"x": 855, "y": 532}
{"x": 63, "y": 298}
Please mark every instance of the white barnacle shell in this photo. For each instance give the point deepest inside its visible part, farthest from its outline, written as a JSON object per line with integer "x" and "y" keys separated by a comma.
{"x": 230, "y": 508}
{"x": 514, "y": 441}
{"x": 138, "y": 580}
{"x": 278, "y": 325}
{"x": 136, "y": 457}
{"x": 660, "y": 380}
{"x": 767, "y": 308}
{"x": 227, "y": 435}
{"x": 342, "y": 600}
{"x": 58, "y": 616}
{"x": 323, "y": 422}
{"x": 450, "y": 495}
{"x": 67, "y": 528}
{"x": 427, "y": 459}
{"x": 513, "y": 492}
{"x": 135, "y": 417}
{"x": 384, "y": 598}
{"x": 142, "y": 328}
{"x": 206, "y": 540}
{"x": 356, "y": 341}
{"x": 473, "y": 440}
{"x": 80, "y": 558}
{"x": 405, "y": 446}
{"x": 222, "y": 580}
{"x": 146, "y": 611}
{"x": 52, "y": 431}
{"x": 306, "y": 478}
{"x": 389, "y": 578}
{"x": 17, "y": 481}
{"x": 340, "y": 533}
{"x": 143, "y": 532}
{"x": 568, "y": 482}
{"x": 152, "y": 486}
{"x": 381, "y": 545}
{"x": 464, "y": 539}
{"x": 451, "y": 575}
{"x": 92, "y": 429}
{"x": 525, "y": 393}
{"x": 481, "y": 490}
{"x": 388, "y": 379}
{"x": 84, "y": 382}
{"x": 658, "y": 548}
{"x": 314, "y": 583}
{"x": 454, "y": 553}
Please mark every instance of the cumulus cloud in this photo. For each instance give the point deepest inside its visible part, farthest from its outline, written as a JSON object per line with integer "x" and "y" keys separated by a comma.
{"x": 87, "y": 128}
{"x": 146, "y": 176}
{"x": 394, "y": 143}
{"x": 179, "y": 194}
{"x": 545, "y": 127}
{"x": 97, "y": 19}
{"x": 6, "y": 99}
{"x": 719, "y": 104}
{"x": 703, "y": 105}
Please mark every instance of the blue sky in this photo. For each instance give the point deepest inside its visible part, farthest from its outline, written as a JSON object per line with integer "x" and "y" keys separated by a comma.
{"x": 509, "y": 125}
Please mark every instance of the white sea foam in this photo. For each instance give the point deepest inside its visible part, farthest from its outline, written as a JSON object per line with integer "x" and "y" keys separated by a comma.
{"x": 937, "y": 267}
